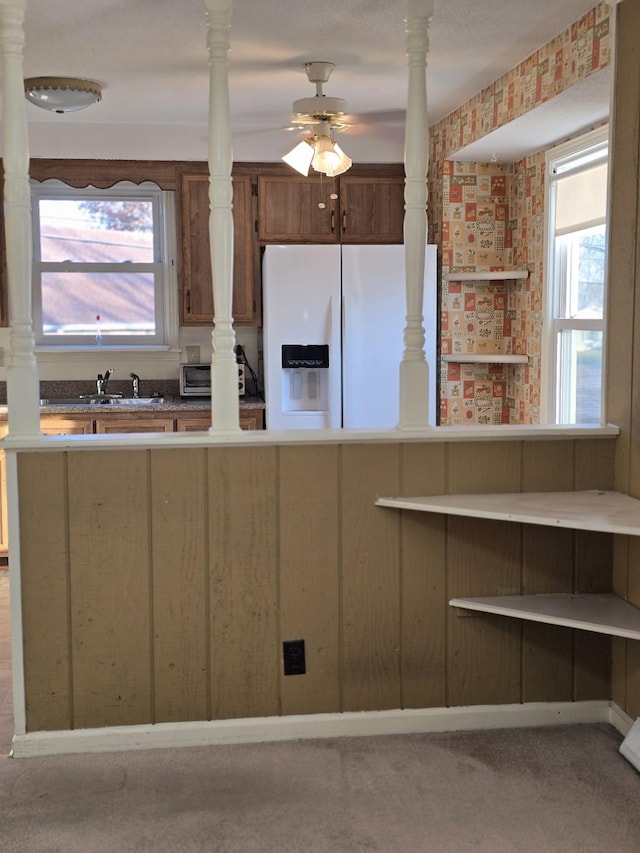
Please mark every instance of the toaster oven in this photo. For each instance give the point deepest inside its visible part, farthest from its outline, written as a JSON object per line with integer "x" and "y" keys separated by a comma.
{"x": 195, "y": 380}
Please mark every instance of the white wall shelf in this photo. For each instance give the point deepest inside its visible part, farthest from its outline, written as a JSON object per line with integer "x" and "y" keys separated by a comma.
{"x": 603, "y": 613}
{"x": 485, "y": 358}
{"x": 604, "y": 511}
{"x": 609, "y": 512}
{"x": 495, "y": 275}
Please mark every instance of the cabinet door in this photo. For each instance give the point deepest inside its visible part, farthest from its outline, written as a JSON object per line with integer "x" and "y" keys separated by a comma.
{"x": 371, "y": 209}
{"x": 296, "y": 209}
{"x": 61, "y": 425}
{"x": 197, "y": 295}
{"x": 189, "y": 424}
{"x": 119, "y": 424}
{"x": 251, "y": 418}
{"x": 248, "y": 419}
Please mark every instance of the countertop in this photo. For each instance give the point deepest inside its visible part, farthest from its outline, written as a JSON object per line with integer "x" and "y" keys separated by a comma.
{"x": 170, "y": 404}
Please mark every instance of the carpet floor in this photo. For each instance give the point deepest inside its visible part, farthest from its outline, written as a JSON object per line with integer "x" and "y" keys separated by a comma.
{"x": 544, "y": 790}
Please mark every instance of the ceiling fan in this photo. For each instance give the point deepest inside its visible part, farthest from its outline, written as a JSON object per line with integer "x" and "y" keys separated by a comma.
{"x": 322, "y": 115}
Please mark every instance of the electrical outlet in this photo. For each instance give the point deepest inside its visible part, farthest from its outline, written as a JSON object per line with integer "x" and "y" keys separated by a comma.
{"x": 193, "y": 355}
{"x": 293, "y": 656}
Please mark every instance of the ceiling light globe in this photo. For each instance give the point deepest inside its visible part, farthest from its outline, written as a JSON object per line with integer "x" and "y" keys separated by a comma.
{"x": 61, "y": 94}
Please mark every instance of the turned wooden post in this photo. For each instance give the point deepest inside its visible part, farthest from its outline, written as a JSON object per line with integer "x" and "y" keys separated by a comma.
{"x": 414, "y": 371}
{"x": 23, "y": 387}
{"x": 224, "y": 373}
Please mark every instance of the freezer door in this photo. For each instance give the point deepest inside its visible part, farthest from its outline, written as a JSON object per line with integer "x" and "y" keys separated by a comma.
{"x": 301, "y": 308}
{"x": 374, "y": 317}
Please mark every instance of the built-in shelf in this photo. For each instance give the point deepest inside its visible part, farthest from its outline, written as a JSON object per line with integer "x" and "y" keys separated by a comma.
{"x": 603, "y": 613}
{"x": 484, "y": 358}
{"x": 604, "y": 511}
{"x": 495, "y": 275}
{"x": 610, "y": 512}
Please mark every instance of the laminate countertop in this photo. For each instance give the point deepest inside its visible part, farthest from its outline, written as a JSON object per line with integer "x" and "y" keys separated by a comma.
{"x": 170, "y": 404}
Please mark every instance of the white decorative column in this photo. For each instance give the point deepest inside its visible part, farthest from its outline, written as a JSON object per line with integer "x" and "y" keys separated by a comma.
{"x": 23, "y": 389}
{"x": 224, "y": 372}
{"x": 414, "y": 371}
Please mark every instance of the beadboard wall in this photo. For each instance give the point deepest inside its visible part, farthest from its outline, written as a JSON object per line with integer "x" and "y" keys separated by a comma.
{"x": 159, "y": 584}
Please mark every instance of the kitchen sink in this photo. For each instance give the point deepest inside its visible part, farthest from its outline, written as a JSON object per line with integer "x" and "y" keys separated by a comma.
{"x": 102, "y": 400}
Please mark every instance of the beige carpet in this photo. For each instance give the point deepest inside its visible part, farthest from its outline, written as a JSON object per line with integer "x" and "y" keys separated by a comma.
{"x": 549, "y": 790}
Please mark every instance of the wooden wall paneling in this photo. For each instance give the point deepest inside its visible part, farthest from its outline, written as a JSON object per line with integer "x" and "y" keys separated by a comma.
{"x": 633, "y": 679}
{"x": 623, "y": 257}
{"x": 547, "y": 566}
{"x": 595, "y": 463}
{"x": 547, "y": 650}
{"x": 423, "y": 581}
{"x": 45, "y": 589}
{"x": 243, "y": 505}
{"x": 619, "y": 671}
{"x": 110, "y": 587}
{"x": 592, "y": 652}
{"x": 547, "y": 466}
{"x": 619, "y": 646}
{"x": 483, "y": 651}
{"x": 180, "y": 584}
{"x": 370, "y": 578}
{"x": 309, "y": 575}
{"x": 478, "y": 466}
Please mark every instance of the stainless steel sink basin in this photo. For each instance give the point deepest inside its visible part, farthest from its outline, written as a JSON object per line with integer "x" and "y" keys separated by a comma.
{"x": 102, "y": 400}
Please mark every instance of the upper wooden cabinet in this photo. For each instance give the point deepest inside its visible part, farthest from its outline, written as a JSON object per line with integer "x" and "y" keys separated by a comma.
{"x": 196, "y": 289}
{"x": 371, "y": 209}
{"x": 363, "y": 209}
{"x": 297, "y": 209}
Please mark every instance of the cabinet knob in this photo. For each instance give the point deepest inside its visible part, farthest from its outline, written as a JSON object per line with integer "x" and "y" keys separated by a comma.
{"x": 344, "y": 221}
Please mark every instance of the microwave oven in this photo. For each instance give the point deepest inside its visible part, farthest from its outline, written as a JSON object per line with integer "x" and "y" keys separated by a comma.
{"x": 195, "y": 380}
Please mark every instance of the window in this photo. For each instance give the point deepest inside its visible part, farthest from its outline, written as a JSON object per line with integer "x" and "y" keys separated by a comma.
{"x": 576, "y": 280}
{"x": 103, "y": 272}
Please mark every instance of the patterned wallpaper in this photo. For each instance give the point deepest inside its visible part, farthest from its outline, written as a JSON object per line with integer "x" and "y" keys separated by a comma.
{"x": 488, "y": 216}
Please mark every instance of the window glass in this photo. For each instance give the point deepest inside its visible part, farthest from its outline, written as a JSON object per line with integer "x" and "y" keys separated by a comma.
{"x": 576, "y": 280}
{"x": 101, "y": 271}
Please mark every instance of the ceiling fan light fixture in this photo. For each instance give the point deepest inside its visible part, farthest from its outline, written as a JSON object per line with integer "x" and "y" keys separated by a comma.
{"x": 62, "y": 94}
{"x": 319, "y": 151}
{"x": 329, "y": 157}
{"x": 300, "y": 157}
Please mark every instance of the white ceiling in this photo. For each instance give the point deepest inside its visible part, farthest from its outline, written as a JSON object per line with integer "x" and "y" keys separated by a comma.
{"x": 151, "y": 57}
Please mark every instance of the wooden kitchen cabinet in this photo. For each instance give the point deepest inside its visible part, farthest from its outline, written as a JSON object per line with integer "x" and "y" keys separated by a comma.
{"x": 371, "y": 209}
{"x": 367, "y": 209}
{"x": 65, "y": 425}
{"x": 133, "y": 423}
{"x": 249, "y": 419}
{"x": 197, "y": 294}
{"x": 289, "y": 209}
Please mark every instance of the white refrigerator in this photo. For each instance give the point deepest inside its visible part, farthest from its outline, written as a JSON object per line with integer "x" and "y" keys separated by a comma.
{"x": 333, "y": 322}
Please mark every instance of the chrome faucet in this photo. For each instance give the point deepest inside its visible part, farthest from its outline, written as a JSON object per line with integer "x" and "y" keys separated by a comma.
{"x": 101, "y": 383}
{"x": 136, "y": 384}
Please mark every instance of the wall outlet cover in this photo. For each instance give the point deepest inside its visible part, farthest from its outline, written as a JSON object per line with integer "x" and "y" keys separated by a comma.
{"x": 294, "y": 657}
{"x": 193, "y": 354}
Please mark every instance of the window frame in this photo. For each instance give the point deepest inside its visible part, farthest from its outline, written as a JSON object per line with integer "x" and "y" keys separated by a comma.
{"x": 163, "y": 267}
{"x": 569, "y": 158}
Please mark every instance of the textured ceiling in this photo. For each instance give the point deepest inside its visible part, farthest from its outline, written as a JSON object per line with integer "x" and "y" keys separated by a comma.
{"x": 151, "y": 57}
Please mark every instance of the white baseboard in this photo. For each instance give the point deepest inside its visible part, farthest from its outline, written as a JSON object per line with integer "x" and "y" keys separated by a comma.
{"x": 620, "y": 720}
{"x": 348, "y": 724}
